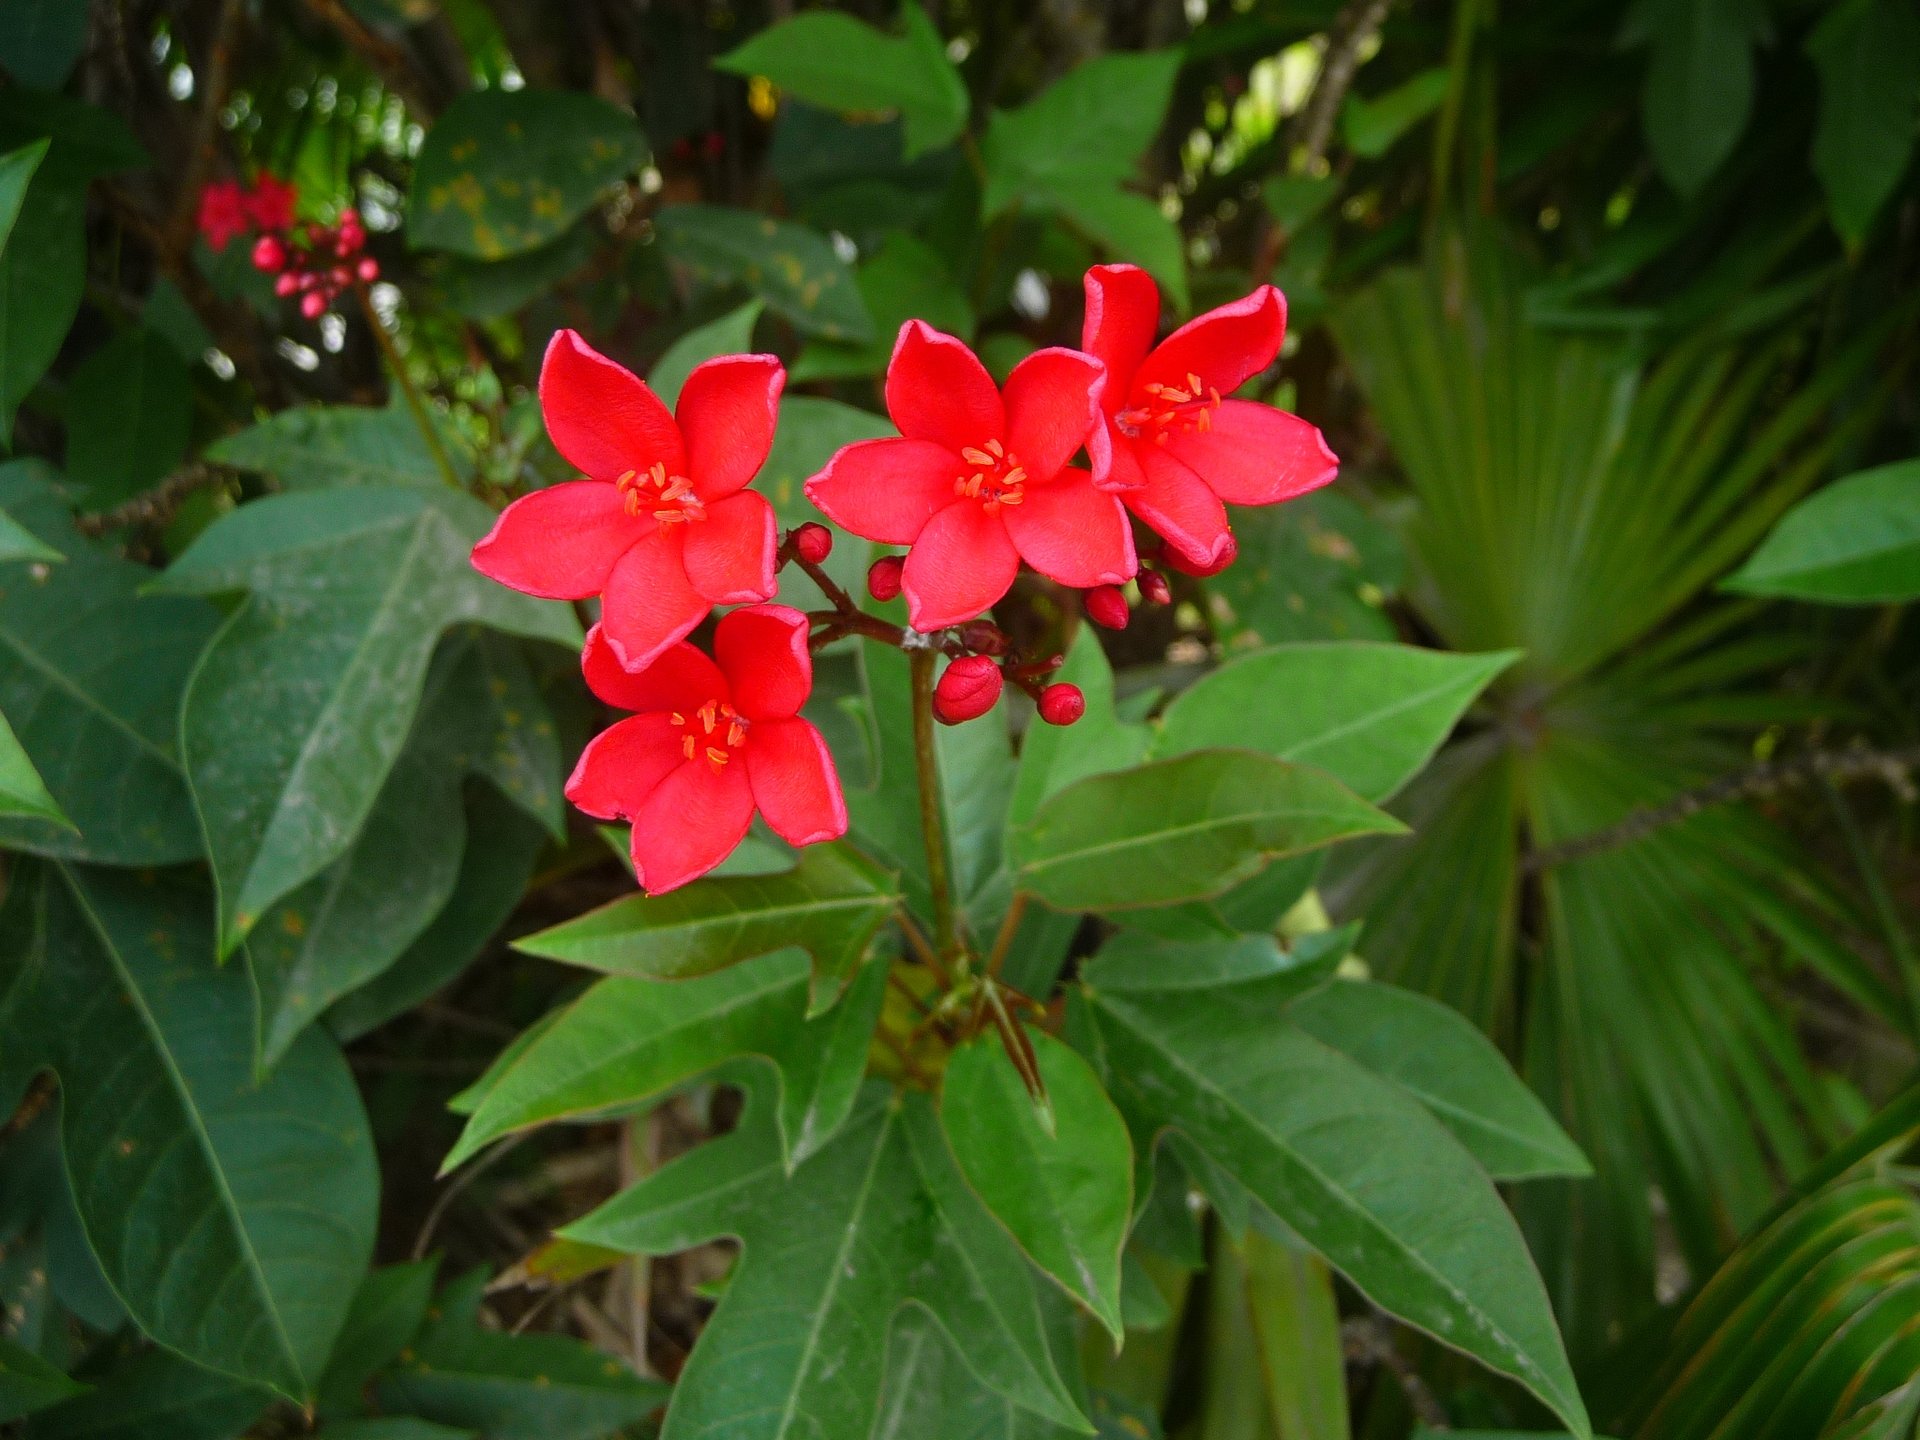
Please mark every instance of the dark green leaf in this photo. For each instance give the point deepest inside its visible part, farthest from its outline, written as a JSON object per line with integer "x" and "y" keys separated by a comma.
{"x": 128, "y": 409}
{"x": 394, "y": 1427}
{"x": 504, "y": 171}
{"x": 299, "y": 707}
{"x": 1369, "y": 715}
{"x": 810, "y": 430}
{"x": 1090, "y": 126}
{"x": 906, "y": 279}
{"x": 731, "y": 334}
{"x": 840, "y": 63}
{"x": 387, "y": 1312}
{"x": 182, "y": 1163}
{"x": 1856, "y": 542}
{"x": 154, "y": 1395}
{"x": 1699, "y": 86}
{"x": 19, "y": 543}
{"x": 1869, "y": 105}
{"x": 1132, "y": 961}
{"x": 1448, "y": 1066}
{"x": 790, "y": 267}
{"x": 28, "y": 1383}
{"x": 16, "y": 173}
{"x": 1128, "y": 227}
{"x": 42, "y": 274}
{"x": 91, "y": 675}
{"x": 22, "y": 791}
{"x": 1182, "y": 829}
{"x": 41, "y": 39}
{"x": 1371, "y": 126}
{"x": 1316, "y": 568}
{"x": 1062, "y": 1183}
{"x": 1052, "y": 757}
{"x": 878, "y": 1218}
{"x": 829, "y": 905}
{"x": 515, "y": 1387}
{"x": 1355, "y": 1166}
{"x": 489, "y": 289}
{"x": 625, "y": 1042}
{"x": 311, "y": 447}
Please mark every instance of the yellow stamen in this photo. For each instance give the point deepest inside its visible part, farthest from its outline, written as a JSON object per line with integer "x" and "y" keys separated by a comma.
{"x": 708, "y": 714}
{"x": 677, "y": 718}
{"x": 717, "y": 756}
{"x": 686, "y": 746}
{"x": 977, "y": 457}
{"x": 736, "y": 732}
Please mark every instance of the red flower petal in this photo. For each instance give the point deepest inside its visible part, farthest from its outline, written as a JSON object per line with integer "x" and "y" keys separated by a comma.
{"x": 692, "y": 821}
{"x": 962, "y": 563}
{"x": 623, "y": 765}
{"x": 1180, "y": 507}
{"x": 1123, "y": 311}
{"x": 1255, "y": 454}
{"x": 1071, "y": 532}
{"x": 886, "y": 490}
{"x": 681, "y": 678}
{"x": 726, "y": 415}
{"x": 763, "y": 650}
{"x": 1223, "y": 347}
{"x": 1122, "y": 471}
{"x": 649, "y": 603}
{"x": 794, "y": 782}
{"x": 560, "y": 543}
{"x": 601, "y": 416}
{"x": 1053, "y": 401}
{"x": 729, "y": 555}
{"x": 938, "y": 390}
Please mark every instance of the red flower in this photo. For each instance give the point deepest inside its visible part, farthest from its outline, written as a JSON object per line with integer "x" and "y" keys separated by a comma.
{"x": 1175, "y": 449}
{"x": 979, "y": 481}
{"x": 664, "y": 528}
{"x": 709, "y": 745}
{"x": 223, "y": 212}
{"x": 269, "y": 205}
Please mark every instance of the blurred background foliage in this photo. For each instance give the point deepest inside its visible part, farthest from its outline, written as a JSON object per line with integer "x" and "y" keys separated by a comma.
{"x": 1587, "y": 294}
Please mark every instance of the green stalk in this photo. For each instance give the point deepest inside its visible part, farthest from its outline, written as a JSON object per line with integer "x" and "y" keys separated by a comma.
{"x": 414, "y": 403}
{"x": 927, "y": 761}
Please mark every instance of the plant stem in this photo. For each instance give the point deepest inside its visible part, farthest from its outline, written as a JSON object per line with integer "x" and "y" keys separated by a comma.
{"x": 1003, "y": 942}
{"x": 414, "y": 402}
{"x": 927, "y": 761}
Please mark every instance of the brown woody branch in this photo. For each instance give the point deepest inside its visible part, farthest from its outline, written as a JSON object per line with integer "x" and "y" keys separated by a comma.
{"x": 387, "y": 60}
{"x": 1357, "y": 23}
{"x": 216, "y": 79}
{"x": 1759, "y": 782}
{"x": 156, "y": 507}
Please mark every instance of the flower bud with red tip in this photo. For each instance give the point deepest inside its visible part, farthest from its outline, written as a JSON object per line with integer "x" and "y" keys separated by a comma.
{"x": 1107, "y": 606}
{"x": 313, "y": 305}
{"x": 1154, "y": 588}
{"x": 269, "y": 254}
{"x": 883, "y": 577}
{"x": 813, "y": 543}
{"x": 966, "y": 690}
{"x": 368, "y": 269}
{"x": 1062, "y": 704}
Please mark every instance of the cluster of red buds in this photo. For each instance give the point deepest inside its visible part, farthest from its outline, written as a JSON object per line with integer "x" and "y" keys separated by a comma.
{"x": 317, "y": 262}
{"x": 1106, "y": 605}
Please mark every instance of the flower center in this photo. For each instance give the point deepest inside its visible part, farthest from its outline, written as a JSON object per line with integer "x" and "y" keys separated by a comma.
{"x": 996, "y": 478}
{"x": 1171, "y": 410}
{"x": 714, "y": 730}
{"x": 668, "y": 498}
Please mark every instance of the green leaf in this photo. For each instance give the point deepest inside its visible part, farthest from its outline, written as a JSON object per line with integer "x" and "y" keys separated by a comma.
{"x": 504, "y": 171}
{"x": 40, "y": 41}
{"x": 1856, "y": 542}
{"x": 182, "y": 1164}
{"x": 1371, "y": 126}
{"x": 1089, "y": 126}
{"x": 490, "y": 289}
{"x": 1349, "y": 1161}
{"x": 842, "y": 64}
{"x": 480, "y": 714}
{"x": 810, "y": 430}
{"x": 91, "y": 675}
{"x": 1869, "y": 106}
{"x": 1064, "y": 1190}
{"x": 312, "y": 447}
{"x": 625, "y": 1042}
{"x": 22, "y": 791}
{"x": 1450, "y": 1067}
{"x": 16, "y": 173}
{"x": 879, "y": 1218}
{"x": 1316, "y": 568}
{"x": 1133, "y": 962}
{"x": 829, "y": 905}
{"x": 128, "y": 409}
{"x": 502, "y": 844}
{"x": 19, "y": 543}
{"x": 904, "y": 280}
{"x": 1052, "y": 757}
{"x": 789, "y": 266}
{"x": 394, "y": 1427}
{"x": 1699, "y": 87}
{"x": 1296, "y": 1324}
{"x": 515, "y": 1387}
{"x": 1369, "y": 715}
{"x": 28, "y": 1383}
{"x": 42, "y": 275}
{"x": 154, "y": 1395}
{"x": 387, "y": 1312}
{"x": 1129, "y": 227}
{"x": 1182, "y": 829}
{"x": 731, "y": 334}
{"x": 299, "y": 707}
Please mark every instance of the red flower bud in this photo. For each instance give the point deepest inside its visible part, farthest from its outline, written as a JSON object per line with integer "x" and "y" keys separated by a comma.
{"x": 1062, "y": 704}
{"x": 286, "y": 284}
{"x": 269, "y": 254}
{"x": 368, "y": 269}
{"x": 983, "y": 637}
{"x": 313, "y": 304}
{"x": 1187, "y": 566}
{"x": 967, "y": 689}
{"x": 883, "y": 577}
{"x": 1154, "y": 588}
{"x": 813, "y": 543}
{"x": 1107, "y": 606}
